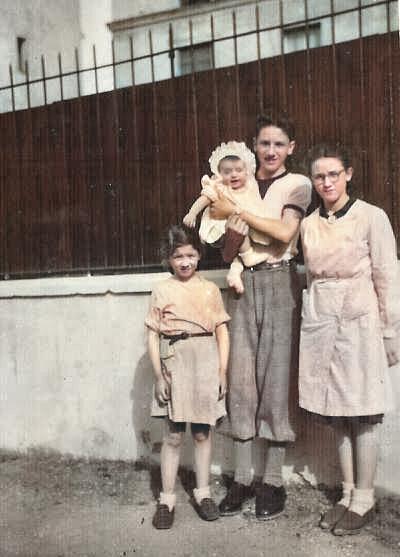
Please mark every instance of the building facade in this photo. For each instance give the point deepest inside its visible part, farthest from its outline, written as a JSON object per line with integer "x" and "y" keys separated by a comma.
{"x": 58, "y": 50}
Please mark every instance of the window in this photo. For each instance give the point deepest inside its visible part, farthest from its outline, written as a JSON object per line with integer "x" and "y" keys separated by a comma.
{"x": 295, "y": 37}
{"x": 197, "y": 58}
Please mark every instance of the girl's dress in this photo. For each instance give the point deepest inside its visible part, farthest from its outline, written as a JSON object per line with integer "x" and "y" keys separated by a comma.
{"x": 193, "y": 363}
{"x": 351, "y": 304}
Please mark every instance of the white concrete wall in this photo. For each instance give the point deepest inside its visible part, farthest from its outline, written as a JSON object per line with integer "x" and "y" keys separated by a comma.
{"x": 75, "y": 378}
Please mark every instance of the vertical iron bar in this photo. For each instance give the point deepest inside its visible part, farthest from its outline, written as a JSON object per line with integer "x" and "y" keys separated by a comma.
{"x": 214, "y": 76}
{"x": 28, "y": 93}
{"x": 60, "y": 76}
{"x": 95, "y": 69}
{"x": 151, "y": 56}
{"x": 309, "y": 77}
{"x": 260, "y": 83}
{"x": 155, "y": 124}
{"x": 113, "y": 63}
{"x": 234, "y": 37}
{"x": 78, "y": 72}
{"x": 44, "y": 80}
{"x": 12, "y": 87}
{"x": 392, "y": 130}
{"x": 335, "y": 72}
{"x": 362, "y": 99}
{"x": 237, "y": 88}
{"x": 192, "y": 68}
{"x": 136, "y": 151}
{"x": 282, "y": 57}
{"x": 132, "y": 60}
{"x": 194, "y": 107}
{"x": 171, "y": 50}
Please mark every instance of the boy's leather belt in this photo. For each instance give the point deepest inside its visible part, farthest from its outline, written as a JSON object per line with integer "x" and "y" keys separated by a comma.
{"x": 184, "y": 336}
{"x": 275, "y": 265}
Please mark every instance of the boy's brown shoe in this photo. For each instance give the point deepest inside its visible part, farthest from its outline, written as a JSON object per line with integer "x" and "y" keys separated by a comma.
{"x": 232, "y": 502}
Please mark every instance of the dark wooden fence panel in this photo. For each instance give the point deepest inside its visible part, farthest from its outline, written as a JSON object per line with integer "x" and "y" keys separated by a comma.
{"x": 89, "y": 184}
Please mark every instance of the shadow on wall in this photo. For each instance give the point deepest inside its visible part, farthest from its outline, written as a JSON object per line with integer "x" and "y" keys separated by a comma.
{"x": 148, "y": 431}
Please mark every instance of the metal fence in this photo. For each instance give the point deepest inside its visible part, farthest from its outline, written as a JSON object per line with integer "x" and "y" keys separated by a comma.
{"x": 89, "y": 183}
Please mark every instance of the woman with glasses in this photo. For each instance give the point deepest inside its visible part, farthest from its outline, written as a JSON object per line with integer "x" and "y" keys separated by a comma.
{"x": 349, "y": 331}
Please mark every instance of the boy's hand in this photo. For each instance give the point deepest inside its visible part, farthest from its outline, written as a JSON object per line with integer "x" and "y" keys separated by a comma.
{"x": 189, "y": 220}
{"x": 162, "y": 390}
{"x": 222, "y": 385}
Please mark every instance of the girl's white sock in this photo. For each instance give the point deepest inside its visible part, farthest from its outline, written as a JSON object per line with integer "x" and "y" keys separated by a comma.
{"x": 201, "y": 493}
{"x": 347, "y": 490}
{"x": 168, "y": 499}
{"x": 362, "y": 500}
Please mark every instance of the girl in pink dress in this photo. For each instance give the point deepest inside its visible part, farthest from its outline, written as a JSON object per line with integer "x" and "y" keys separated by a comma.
{"x": 349, "y": 332}
{"x": 188, "y": 347}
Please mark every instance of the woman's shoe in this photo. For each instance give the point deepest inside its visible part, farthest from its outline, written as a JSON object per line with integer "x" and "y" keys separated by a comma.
{"x": 207, "y": 509}
{"x": 353, "y": 523}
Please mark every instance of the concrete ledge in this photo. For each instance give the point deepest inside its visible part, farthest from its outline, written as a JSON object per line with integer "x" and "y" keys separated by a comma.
{"x": 103, "y": 284}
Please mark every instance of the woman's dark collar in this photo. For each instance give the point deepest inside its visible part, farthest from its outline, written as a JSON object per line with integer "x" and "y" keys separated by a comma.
{"x": 337, "y": 214}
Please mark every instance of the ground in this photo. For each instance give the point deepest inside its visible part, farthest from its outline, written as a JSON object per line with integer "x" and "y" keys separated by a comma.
{"x": 54, "y": 506}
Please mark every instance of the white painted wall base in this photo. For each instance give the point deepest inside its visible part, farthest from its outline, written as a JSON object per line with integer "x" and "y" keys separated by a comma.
{"x": 76, "y": 378}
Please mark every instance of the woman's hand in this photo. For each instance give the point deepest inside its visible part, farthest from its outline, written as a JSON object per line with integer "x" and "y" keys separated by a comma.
{"x": 392, "y": 350}
{"x": 222, "y": 208}
{"x": 222, "y": 384}
{"x": 162, "y": 390}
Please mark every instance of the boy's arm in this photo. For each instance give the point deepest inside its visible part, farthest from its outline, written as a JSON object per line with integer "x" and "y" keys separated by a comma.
{"x": 222, "y": 336}
{"x": 161, "y": 385}
{"x": 190, "y": 218}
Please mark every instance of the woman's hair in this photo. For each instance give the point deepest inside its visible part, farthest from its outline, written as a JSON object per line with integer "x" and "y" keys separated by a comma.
{"x": 228, "y": 158}
{"x": 175, "y": 237}
{"x": 281, "y": 121}
{"x": 330, "y": 150}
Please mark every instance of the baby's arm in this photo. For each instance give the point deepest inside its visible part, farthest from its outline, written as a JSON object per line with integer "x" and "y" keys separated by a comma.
{"x": 234, "y": 278}
{"x": 162, "y": 390}
{"x": 190, "y": 218}
{"x": 222, "y": 336}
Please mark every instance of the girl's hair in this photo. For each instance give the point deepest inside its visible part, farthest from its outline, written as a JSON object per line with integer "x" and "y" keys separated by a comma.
{"x": 175, "y": 237}
{"x": 330, "y": 150}
{"x": 281, "y": 121}
{"x": 228, "y": 158}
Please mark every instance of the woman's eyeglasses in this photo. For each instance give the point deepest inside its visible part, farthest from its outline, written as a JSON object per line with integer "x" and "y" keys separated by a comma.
{"x": 333, "y": 176}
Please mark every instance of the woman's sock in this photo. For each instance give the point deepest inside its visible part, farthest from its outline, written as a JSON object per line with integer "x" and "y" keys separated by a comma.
{"x": 201, "y": 493}
{"x": 362, "y": 501}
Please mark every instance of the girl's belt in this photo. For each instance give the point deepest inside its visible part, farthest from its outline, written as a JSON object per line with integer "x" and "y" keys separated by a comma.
{"x": 184, "y": 336}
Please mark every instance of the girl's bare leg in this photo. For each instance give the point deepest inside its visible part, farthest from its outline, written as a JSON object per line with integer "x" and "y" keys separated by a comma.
{"x": 170, "y": 453}
{"x": 202, "y": 458}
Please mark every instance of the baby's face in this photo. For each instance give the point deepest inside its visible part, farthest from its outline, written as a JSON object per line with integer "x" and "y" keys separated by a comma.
{"x": 233, "y": 174}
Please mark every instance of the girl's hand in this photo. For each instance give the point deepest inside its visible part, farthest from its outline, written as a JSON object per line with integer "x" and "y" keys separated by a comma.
{"x": 222, "y": 208}
{"x": 392, "y": 349}
{"x": 162, "y": 390}
{"x": 189, "y": 220}
{"x": 222, "y": 385}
